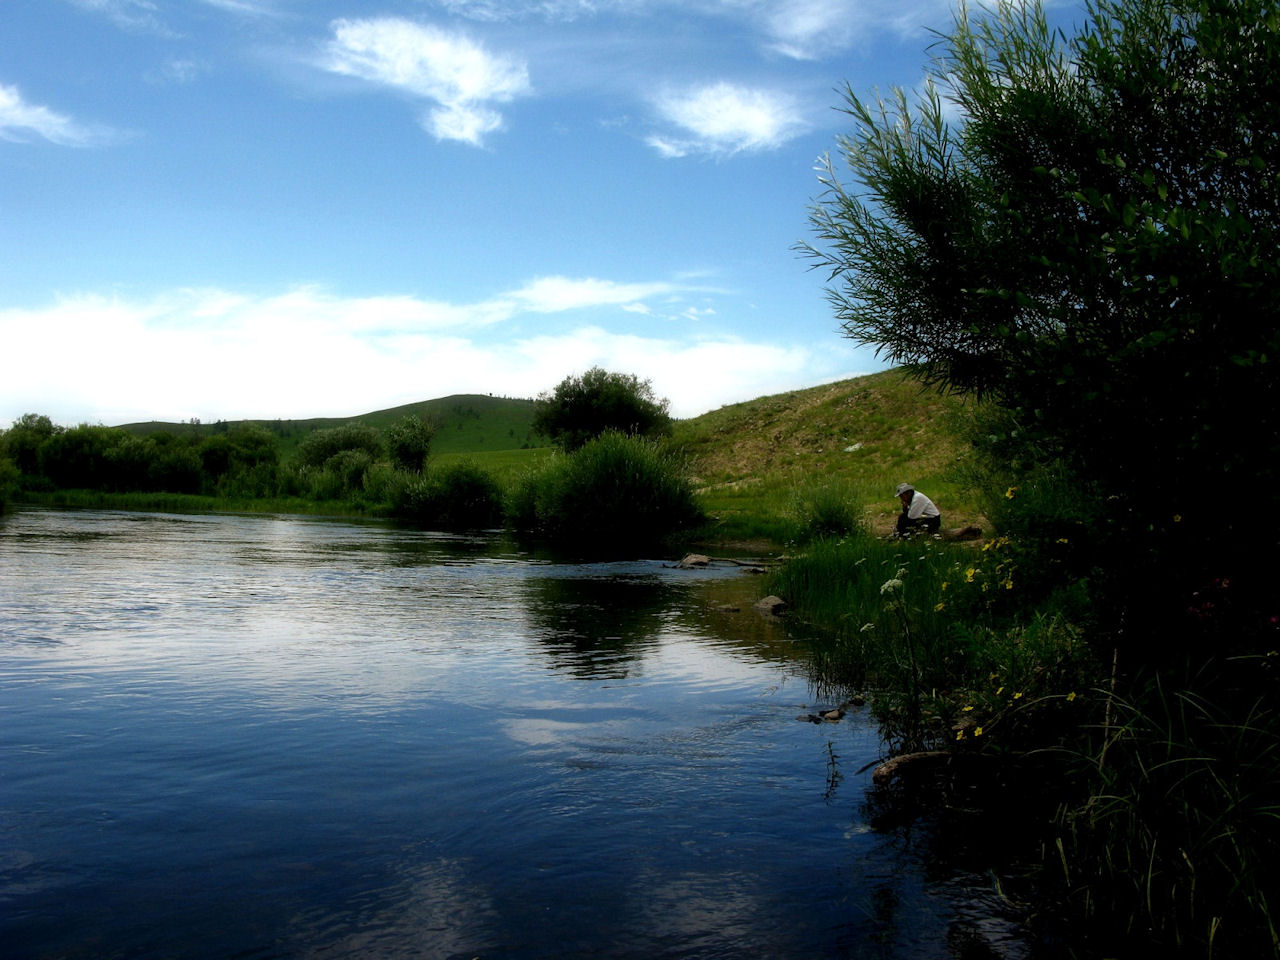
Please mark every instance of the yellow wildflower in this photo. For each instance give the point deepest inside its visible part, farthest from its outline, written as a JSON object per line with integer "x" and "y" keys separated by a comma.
{"x": 1018, "y": 695}
{"x": 938, "y": 606}
{"x": 1008, "y": 494}
{"x": 959, "y": 734}
{"x": 968, "y": 574}
{"x": 1000, "y": 691}
{"x": 1071, "y": 696}
{"x": 967, "y": 709}
{"x": 977, "y": 731}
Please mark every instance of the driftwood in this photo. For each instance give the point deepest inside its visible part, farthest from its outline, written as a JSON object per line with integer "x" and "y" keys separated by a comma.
{"x": 696, "y": 561}
{"x": 908, "y": 765}
{"x": 834, "y": 714}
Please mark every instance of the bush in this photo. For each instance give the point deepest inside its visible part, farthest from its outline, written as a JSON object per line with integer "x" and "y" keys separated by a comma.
{"x": 22, "y": 441}
{"x": 349, "y": 468}
{"x": 582, "y": 408}
{"x": 10, "y": 476}
{"x": 616, "y": 492}
{"x": 76, "y": 458}
{"x": 409, "y": 443}
{"x": 460, "y": 496}
{"x": 317, "y": 448}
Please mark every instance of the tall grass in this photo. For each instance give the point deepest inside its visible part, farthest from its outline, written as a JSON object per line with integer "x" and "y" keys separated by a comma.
{"x": 1177, "y": 841}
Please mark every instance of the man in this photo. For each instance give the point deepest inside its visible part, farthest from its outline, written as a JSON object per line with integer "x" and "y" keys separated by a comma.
{"x": 918, "y": 512}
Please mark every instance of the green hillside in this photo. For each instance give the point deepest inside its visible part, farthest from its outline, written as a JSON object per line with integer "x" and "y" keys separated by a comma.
{"x": 866, "y": 434}
{"x": 466, "y": 424}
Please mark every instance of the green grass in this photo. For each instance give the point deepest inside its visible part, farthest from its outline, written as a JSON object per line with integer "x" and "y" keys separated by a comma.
{"x": 466, "y": 423}
{"x": 867, "y": 434}
{"x": 505, "y": 466}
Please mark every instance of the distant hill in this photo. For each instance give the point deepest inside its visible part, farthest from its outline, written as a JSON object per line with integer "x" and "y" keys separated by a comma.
{"x": 466, "y": 423}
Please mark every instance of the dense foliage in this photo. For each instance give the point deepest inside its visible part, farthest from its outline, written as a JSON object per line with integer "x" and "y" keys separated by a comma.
{"x": 1090, "y": 248}
{"x": 1094, "y": 248}
{"x": 581, "y": 408}
{"x": 460, "y": 496}
{"x": 409, "y": 443}
{"x": 616, "y": 493}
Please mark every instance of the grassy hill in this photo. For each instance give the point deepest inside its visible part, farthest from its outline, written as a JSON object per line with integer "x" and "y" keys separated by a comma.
{"x": 466, "y": 424}
{"x": 866, "y": 435}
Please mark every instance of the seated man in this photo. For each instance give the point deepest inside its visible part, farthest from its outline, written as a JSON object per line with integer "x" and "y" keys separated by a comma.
{"x": 918, "y": 512}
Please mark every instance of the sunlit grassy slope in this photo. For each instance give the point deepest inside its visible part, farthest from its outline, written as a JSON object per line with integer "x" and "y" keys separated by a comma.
{"x": 865, "y": 434}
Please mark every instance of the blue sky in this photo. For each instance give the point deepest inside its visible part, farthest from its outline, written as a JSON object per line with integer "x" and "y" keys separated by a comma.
{"x": 292, "y": 208}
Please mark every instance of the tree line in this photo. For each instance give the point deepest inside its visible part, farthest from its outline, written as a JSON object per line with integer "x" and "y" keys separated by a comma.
{"x": 615, "y": 482}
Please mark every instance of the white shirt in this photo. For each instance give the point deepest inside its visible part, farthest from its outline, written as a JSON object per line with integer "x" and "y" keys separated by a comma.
{"x": 921, "y": 506}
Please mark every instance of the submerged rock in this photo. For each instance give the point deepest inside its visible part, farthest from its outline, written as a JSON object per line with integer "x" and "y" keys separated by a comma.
{"x": 771, "y": 605}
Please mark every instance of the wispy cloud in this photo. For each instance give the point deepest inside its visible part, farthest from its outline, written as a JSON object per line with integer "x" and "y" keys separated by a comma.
{"x": 558, "y": 294}
{"x": 451, "y": 70}
{"x": 20, "y": 120}
{"x": 132, "y": 15}
{"x": 722, "y": 118}
{"x": 499, "y": 10}
{"x": 253, "y": 8}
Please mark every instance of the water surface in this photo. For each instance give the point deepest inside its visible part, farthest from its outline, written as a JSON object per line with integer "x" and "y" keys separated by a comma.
{"x": 259, "y": 737}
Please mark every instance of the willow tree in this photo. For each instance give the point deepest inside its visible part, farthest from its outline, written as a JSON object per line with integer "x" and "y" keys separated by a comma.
{"x": 1084, "y": 230}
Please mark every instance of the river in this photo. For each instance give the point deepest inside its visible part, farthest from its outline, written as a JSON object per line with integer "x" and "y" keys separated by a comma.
{"x": 280, "y": 737}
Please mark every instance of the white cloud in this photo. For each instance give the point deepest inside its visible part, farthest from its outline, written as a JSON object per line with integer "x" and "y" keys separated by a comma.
{"x": 19, "y": 120}
{"x": 218, "y": 354}
{"x": 554, "y": 294}
{"x": 452, "y": 71}
{"x": 722, "y": 118}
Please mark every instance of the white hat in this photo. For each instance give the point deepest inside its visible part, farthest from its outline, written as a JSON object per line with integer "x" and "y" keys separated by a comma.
{"x": 905, "y": 488}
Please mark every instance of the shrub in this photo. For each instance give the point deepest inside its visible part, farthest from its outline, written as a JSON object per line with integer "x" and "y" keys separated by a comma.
{"x": 77, "y": 457}
{"x": 459, "y": 496}
{"x": 349, "y": 467}
{"x": 318, "y": 447}
{"x": 616, "y": 492}
{"x": 582, "y": 408}
{"x": 409, "y": 443}
{"x": 9, "y": 481}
